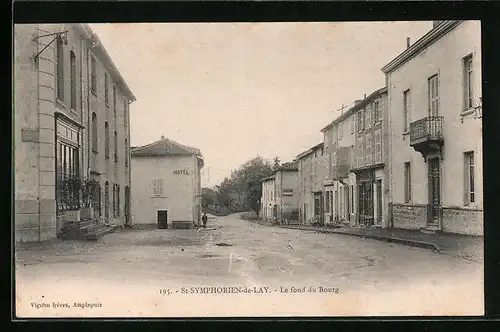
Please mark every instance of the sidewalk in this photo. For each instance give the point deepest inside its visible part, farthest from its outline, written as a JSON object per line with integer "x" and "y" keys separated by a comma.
{"x": 461, "y": 246}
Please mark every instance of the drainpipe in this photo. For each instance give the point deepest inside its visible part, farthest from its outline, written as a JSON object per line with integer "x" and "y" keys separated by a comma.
{"x": 38, "y": 125}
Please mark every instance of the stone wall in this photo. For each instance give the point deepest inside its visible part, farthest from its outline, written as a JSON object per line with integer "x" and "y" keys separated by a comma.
{"x": 409, "y": 216}
{"x": 463, "y": 221}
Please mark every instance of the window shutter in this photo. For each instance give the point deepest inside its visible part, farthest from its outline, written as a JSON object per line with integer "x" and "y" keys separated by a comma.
{"x": 155, "y": 187}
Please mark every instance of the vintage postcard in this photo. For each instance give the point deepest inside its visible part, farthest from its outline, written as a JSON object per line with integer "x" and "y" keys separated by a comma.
{"x": 248, "y": 169}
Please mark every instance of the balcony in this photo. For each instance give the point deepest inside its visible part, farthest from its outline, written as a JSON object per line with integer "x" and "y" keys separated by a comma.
{"x": 426, "y": 135}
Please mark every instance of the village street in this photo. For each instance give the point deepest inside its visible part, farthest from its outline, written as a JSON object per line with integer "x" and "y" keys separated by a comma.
{"x": 155, "y": 273}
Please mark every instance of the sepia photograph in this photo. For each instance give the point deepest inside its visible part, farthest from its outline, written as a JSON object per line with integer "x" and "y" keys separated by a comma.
{"x": 258, "y": 169}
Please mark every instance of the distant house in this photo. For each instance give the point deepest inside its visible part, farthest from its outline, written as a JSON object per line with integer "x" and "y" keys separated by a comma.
{"x": 268, "y": 199}
{"x": 280, "y": 194}
{"x": 166, "y": 182}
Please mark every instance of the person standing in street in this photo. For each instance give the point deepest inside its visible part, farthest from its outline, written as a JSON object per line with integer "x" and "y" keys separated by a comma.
{"x": 204, "y": 220}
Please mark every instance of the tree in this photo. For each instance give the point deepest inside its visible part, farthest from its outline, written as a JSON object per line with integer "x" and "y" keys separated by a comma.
{"x": 207, "y": 197}
{"x": 276, "y": 163}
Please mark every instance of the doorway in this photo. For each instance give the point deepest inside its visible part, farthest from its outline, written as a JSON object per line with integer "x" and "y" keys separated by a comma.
{"x": 318, "y": 206}
{"x": 434, "y": 191}
{"x": 365, "y": 199}
{"x": 162, "y": 219}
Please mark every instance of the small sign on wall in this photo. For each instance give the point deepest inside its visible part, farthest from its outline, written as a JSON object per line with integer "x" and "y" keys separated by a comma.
{"x": 30, "y": 135}
{"x": 181, "y": 172}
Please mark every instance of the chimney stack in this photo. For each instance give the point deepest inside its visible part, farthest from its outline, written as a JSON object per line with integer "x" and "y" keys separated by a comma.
{"x": 364, "y": 96}
{"x": 162, "y": 137}
{"x": 407, "y": 42}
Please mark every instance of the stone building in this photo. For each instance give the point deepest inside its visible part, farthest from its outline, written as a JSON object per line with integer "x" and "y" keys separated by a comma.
{"x": 339, "y": 184}
{"x": 71, "y": 130}
{"x": 286, "y": 179}
{"x": 268, "y": 207}
{"x": 166, "y": 177}
{"x": 313, "y": 166}
{"x": 368, "y": 159}
{"x": 435, "y": 120}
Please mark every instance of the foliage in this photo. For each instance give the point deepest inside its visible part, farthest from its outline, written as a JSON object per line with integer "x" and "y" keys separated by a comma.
{"x": 75, "y": 192}
{"x": 207, "y": 197}
{"x": 243, "y": 189}
{"x": 276, "y": 163}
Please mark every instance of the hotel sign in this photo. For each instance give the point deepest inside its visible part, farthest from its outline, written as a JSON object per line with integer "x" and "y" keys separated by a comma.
{"x": 181, "y": 172}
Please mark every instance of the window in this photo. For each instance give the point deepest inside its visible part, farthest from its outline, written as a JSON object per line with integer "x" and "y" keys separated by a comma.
{"x": 126, "y": 153}
{"x": 106, "y": 90}
{"x": 158, "y": 187}
{"x": 469, "y": 186}
{"x": 359, "y": 121}
{"x": 106, "y": 140}
{"x": 60, "y": 68}
{"x": 93, "y": 73}
{"x": 433, "y": 91}
{"x": 341, "y": 130}
{"x": 376, "y": 111}
{"x": 114, "y": 100}
{"x": 94, "y": 133}
{"x": 353, "y": 123}
{"x": 468, "y": 93}
{"x": 72, "y": 62}
{"x": 368, "y": 152}
{"x": 378, "y": 146}
{"x": 407, "y": 183}
{"x": 368, "y": 117}
{"x": 125, "y": 114}
{"x": 116, "y": 147}
{"x": 406, "y": 110}
{"x": 106, "y": 200}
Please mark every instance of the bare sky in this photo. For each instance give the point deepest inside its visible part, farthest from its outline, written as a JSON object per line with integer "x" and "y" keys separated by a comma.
{"x": 238, "y": 90}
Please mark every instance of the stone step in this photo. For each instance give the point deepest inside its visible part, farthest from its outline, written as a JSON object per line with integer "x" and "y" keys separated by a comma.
{"x": 431, "y": 229}
{"x": 85, "y": 223}
{"x": 99, "y": 232}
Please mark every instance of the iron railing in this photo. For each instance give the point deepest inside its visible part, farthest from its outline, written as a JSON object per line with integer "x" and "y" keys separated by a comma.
{"x": 427, "y": 129}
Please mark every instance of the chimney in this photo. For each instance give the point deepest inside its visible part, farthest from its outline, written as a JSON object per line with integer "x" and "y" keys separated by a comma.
{"x": 407, "y": 42}
{"x": 162, "y": 137}
{"x": 357, "y": 101}
{"x": 364, "y": 96}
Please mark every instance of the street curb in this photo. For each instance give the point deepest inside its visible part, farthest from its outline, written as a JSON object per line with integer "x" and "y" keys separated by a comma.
{"x": 412, "y": 243}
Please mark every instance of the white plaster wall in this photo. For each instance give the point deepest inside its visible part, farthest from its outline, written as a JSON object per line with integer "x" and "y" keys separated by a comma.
{"x": 443, "y": 57}
{"x": 179, "y": 190}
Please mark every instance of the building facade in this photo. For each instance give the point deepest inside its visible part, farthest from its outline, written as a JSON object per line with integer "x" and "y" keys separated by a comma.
{"x": 72, "y": 131}
{"x": 268, "y": 207}
{"x": 313, "y": 166}
{"x": 435, "y": 149}
{"x": 338, "y": 139}
{"x": 287, "y": 192}
{"x": 368, "y": 159}
{"x": 166, "y": 177}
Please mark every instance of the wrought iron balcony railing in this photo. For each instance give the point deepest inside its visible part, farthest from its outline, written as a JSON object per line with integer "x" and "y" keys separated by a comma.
{"x": 428, "y": 129}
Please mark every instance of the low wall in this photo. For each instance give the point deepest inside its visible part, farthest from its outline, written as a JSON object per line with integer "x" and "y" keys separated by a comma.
{"x": 409, "y": 216}
{"x": 463, "y": 221}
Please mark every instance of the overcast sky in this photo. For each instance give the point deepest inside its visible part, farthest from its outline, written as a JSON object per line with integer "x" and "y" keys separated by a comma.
{"x": 238, "y": 90}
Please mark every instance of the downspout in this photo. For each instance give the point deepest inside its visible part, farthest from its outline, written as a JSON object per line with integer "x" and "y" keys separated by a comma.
{"x": 38, "y": 125}
{"x": 87, "y": 94}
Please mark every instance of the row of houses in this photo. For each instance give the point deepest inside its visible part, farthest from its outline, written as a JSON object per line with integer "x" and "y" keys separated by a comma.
{"x": 74, "y": 165}
{"x": 408, "y": 155}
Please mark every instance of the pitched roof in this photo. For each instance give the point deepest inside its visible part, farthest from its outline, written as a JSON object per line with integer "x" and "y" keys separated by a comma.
{"x": 165, "y": 147}
{"x": 290, "y": 166}
{"x": 356, "y": 106}
{"x": 308, "y": 152}
{"x": 420, "y": 45}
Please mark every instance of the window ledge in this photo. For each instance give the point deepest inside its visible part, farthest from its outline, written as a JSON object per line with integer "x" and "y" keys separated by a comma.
{"x": 469, "y": 207}
{"x": 467, "y": 111}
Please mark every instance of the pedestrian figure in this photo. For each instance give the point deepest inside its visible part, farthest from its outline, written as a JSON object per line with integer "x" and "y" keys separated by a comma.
{"x": 204, "y": 219}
